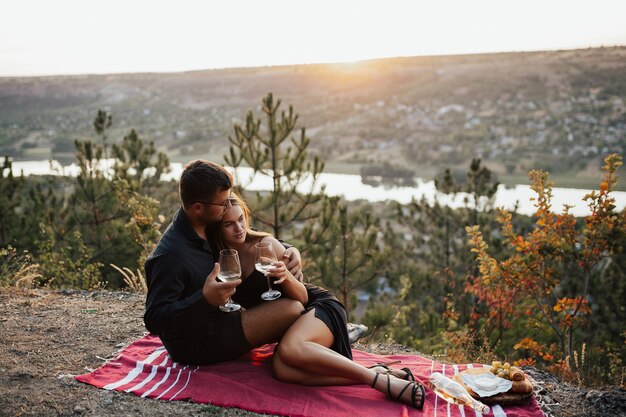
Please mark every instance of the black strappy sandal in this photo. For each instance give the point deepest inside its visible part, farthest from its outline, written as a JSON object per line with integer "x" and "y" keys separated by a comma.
{"x": 408, "y": 375}
{"x": 415, "y": 387}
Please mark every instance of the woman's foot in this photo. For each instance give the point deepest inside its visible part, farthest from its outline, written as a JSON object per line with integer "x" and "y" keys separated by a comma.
{"x": 403, "y": 373}
{"x": 411, "y": 393}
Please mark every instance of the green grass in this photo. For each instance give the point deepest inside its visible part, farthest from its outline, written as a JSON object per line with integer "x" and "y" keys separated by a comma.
{"x": 212, "y": 410}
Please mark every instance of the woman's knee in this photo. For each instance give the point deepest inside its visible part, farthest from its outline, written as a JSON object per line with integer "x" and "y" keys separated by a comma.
{"x": 283, "y": 372}
{"x": 290, "y": 351}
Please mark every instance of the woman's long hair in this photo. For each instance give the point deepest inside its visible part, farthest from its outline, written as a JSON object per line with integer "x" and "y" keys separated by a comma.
{"x": 214, "y": 231}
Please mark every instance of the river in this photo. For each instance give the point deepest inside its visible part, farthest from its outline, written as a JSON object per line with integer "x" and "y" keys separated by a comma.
{"x": 351, "y": 187}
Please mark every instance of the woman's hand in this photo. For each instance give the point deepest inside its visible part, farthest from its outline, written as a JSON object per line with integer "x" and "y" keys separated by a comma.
{"x": 280, "y": 273}
{"x": 291, "y": 286}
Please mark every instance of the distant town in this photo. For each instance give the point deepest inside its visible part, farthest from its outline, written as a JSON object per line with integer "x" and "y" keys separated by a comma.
{"x": 560, "y": 111}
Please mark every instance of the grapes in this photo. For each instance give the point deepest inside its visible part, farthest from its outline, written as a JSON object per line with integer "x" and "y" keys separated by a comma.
{"x": 506, "y": 371}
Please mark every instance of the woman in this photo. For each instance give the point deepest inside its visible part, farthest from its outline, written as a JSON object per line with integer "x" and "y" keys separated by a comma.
{"x": 315, "y": 350}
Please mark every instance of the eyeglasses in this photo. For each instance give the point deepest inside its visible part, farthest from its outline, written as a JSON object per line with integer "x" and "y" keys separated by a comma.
{"x": 224, "y": 205}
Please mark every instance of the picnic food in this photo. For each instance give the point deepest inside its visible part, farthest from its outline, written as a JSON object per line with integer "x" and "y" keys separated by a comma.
{"x": 486, "y": 384}
{"x": 519, "y": 392}
{"x": 507, "y": 371}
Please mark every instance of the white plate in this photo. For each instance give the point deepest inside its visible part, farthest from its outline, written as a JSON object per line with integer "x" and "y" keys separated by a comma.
{"x": 487, "y": 384}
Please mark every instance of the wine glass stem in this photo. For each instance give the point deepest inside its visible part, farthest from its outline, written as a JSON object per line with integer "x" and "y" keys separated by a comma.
{"x": 269, "y": 283}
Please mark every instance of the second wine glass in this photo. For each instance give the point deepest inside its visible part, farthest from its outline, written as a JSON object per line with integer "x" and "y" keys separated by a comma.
{"x": 263, "y": 261}
{"x": 230, "y": 270}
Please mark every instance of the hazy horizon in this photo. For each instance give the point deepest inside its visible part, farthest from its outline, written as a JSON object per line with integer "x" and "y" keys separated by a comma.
{"x": 307, "y": 64}
{"x": 71, "y": 37}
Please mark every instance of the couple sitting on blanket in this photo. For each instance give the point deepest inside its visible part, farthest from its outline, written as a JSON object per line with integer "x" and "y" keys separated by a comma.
{"x": 308, "y": 322}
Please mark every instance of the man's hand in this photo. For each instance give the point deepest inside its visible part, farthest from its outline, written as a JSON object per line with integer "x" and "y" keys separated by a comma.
{"x": 216, "y": 293}
{"x": 294, "y": 263}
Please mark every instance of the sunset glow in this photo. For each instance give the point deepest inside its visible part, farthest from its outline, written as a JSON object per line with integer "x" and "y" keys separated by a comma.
{"x": 73, "y": 36}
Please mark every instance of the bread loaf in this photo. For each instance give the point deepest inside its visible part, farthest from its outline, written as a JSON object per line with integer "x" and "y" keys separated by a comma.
{"x": 523, "y": 387}
{"x": 516, "y": 374}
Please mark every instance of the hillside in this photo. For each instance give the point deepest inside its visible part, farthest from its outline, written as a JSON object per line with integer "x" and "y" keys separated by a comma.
{"x": 46, "y": 337}
{"x": 559, "y": 111}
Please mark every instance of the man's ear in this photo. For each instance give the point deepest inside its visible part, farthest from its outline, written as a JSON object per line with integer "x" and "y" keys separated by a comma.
{"x": 196, "y": 208}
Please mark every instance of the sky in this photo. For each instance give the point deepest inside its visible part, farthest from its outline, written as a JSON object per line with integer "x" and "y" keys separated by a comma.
{"x": 51, "y": 37}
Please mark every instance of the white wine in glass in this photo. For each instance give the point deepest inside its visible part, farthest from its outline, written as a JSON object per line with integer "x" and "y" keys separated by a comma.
{"x": 264, "y": 261}
{"x": 230, "y": 271}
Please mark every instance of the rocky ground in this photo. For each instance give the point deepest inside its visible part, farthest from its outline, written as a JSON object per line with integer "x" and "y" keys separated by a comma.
{"x": 47, "y": 337}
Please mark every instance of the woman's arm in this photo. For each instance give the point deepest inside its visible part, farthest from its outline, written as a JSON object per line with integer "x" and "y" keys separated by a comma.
{"x": 294, "y": 288}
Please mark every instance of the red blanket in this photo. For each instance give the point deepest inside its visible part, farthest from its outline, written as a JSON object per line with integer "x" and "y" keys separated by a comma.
{"x": 145, "y": 369}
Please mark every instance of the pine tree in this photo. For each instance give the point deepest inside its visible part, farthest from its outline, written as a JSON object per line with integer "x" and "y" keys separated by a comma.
{"x": 101, "y": 124}
{"x": 439, "y": 243}
{"x": 268, "y": 152}
{"x": 481, "y": 188}
{"x": 99, "y": 209}
{"x": 93, "y": 204}
{"x": 134, "y": 162}
{"x": 11, "y": 188}
{"x": 343, "y": 249}
{"x": 446, "y": 185}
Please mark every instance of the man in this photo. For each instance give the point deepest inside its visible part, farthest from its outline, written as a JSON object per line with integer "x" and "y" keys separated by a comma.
{"x": 183, "y": 293}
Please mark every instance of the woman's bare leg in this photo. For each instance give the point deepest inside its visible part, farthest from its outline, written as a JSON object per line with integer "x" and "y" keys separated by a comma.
{"x": 304, "y": 357}
{"x": 268, "y": 322}
{"x": 293, "y": 375}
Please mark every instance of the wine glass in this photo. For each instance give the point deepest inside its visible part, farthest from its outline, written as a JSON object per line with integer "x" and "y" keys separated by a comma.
{"x": 230, "y": 270}
{"x": 263, "y": 261}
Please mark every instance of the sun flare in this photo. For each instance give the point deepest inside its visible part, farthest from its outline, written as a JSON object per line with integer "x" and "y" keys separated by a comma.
{"x": 349, "y": 66}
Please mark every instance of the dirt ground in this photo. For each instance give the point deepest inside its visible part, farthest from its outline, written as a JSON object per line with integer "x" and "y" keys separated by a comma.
{"x": 47, "y": 337}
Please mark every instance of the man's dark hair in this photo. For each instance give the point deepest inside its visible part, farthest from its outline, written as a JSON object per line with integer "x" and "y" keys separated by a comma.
{"x": 201, "y": 180}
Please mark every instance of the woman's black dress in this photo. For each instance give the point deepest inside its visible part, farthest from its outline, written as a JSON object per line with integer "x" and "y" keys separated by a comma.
{"x": 327, "y": 307}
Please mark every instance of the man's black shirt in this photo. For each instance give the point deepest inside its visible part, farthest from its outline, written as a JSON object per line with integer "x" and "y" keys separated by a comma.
{"x": 175, "y": 273}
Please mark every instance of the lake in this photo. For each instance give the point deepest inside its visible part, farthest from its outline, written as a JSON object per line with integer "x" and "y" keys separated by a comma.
{"x": 351, "y": 187}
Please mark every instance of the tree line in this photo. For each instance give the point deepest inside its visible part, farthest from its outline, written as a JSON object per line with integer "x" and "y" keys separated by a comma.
{"x": 472, "y": 283}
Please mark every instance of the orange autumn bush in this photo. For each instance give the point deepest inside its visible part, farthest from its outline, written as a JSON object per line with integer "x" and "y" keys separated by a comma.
{"x": 539, "y": 293}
